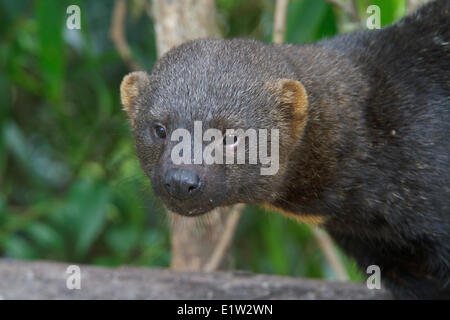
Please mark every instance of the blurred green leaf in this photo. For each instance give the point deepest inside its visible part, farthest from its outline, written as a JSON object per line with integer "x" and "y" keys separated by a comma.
{"x": 45, "y": 236}
{"x": 51, "y": 17}
{"x": 36, "y": 160}
{"x": 19, "y": 248}
{"x": 273, "y": 237}
{"x": 85, "y": 214}
{"x": 122, "y": 240}
{"x": 309, "y": 20}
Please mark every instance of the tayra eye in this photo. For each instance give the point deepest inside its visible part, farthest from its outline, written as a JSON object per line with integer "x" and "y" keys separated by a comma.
{"x": 230, "y": 140}
{"x": 159, "y": 131}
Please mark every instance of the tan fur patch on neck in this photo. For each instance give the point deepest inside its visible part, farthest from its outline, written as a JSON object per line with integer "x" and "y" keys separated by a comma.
{"x": 313, "y": 219}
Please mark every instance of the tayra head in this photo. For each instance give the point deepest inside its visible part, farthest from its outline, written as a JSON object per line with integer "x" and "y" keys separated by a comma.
{"x": 214, "y": 123}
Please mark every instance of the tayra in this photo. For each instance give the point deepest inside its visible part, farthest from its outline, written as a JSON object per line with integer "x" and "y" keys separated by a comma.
{"x": 363, "y": 124}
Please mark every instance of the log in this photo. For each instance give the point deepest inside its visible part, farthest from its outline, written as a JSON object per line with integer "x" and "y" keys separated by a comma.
{"x": 47, "y": 280}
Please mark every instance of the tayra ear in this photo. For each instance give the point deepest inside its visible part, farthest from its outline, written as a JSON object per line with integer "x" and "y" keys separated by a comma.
{"x": 292, "y": 100}
{"x": 133, "y": 85}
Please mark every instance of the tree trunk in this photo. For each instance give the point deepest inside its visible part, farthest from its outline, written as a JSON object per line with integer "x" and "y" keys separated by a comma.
{"x": 197, "y": 243}
{"x": 177, "y": 21}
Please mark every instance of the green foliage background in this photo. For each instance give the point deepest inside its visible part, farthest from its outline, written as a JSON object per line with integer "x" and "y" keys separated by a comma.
{"x": 70, "y": 185}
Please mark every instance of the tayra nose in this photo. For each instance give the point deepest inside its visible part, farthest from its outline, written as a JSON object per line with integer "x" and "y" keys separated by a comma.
{"x": 181, "y": 183}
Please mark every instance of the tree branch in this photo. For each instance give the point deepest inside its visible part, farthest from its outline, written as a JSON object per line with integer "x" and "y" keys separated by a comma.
{"x": 279, "y": 21}
{"x": 225, "y": 240}
{"x": 117, "y": 34}
{"x": 326, "y": 245}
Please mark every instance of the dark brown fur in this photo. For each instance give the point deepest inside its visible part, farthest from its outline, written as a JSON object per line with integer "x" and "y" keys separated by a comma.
{"x": 364, "y": 124}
